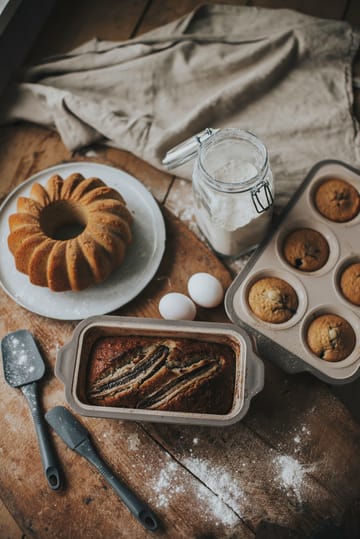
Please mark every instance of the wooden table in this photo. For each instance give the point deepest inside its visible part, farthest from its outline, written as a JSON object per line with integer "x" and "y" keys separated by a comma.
{"x": 291, "y": 468}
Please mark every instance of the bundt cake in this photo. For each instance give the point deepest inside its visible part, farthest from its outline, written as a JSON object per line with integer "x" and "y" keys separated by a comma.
{"x": 71, "y": 234}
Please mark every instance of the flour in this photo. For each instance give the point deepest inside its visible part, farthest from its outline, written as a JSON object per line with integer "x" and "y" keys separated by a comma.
{"x": 20, "y": 363}
{"x": 133, "y": 442}
{"x": 166, "y": 484}
{"x": 215, "y": 509}
{"x": 212, "y": 493}
{"x": 174, "y": 481}
{"x": 228, "y": 218}
{"x": 234, "y": 242}
{"x": 300, "y": 436}
{"x": 290, "y": 474}
{"x": 219, "y": 480}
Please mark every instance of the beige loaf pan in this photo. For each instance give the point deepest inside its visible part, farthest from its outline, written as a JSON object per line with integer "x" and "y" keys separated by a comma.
{"x": 317, "y": 291}
{"x": 71, "y": 366}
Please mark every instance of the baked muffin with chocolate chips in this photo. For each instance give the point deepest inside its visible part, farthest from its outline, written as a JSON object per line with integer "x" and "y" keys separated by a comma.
{"x": 337, "y": 200}
{"x": 306, "y": 249}
{"x": 331, "y": 337}
{"x": 273, "y": 300}
{"x": 350, "y": 283}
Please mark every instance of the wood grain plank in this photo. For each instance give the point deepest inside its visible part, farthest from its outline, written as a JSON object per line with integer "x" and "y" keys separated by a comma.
{"x": 8, "y": 527}
{"x": 256, "y": 481}
{"x": 164, "y": 11}
{"x": 24, "y": 150}
{"x": 157, "y": 181}
{"x": 352, "y": 14}
{"x": 73, "y": 23}
{"x": 328, "y": 10}
{"x": 33, "y": 148}
{"x": 17, "y": 35}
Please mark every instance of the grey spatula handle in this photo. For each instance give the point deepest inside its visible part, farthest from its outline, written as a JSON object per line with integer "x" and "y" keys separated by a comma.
{"x": 133, "y": 503}
{"x": 49, "y": 461}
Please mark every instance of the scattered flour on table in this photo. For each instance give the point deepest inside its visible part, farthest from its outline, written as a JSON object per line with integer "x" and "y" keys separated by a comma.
{"x": 166, "y": 485}
{"x": 133, "y": 442}
{"x": 215, "y": 491}
{"x": 300, "y": 435}
{"x": 290, "y": 474}
{"x": 219, "y": 480}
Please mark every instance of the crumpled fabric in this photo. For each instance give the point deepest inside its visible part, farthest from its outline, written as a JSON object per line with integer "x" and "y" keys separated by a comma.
{"x": 285, "y": 76}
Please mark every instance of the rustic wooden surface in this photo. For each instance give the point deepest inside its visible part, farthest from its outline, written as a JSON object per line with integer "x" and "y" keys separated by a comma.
{"x": 291, "y": 468}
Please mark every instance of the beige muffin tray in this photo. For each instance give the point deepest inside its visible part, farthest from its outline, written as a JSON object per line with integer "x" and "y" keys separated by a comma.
{"x": 318, "y": 291}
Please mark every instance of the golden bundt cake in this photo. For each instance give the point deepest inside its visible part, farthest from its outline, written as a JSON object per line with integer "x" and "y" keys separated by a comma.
{"x": 71, "y": 234}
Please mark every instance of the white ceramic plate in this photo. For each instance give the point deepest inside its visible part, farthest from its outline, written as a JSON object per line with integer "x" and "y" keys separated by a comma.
{"x": 141, "y": 262}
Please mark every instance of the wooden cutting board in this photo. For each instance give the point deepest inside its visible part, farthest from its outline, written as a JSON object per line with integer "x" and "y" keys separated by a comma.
{"x": 86, "y": 507}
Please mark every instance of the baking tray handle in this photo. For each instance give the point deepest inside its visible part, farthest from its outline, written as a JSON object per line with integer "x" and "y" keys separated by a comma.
{"x": 254, "y": 376}
{"x": 64, "y": 366}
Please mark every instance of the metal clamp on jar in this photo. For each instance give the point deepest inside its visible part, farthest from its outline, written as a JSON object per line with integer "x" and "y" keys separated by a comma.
{"x": 232, "y": 187}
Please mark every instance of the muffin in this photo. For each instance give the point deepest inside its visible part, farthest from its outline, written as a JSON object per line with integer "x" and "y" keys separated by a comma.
{"x": 330, "y": 337}
{"x": 306, "y": 249}
{"x": 272, "y": 300}
{"x": 337, "y": 200}
{"x": 350, "y": 283}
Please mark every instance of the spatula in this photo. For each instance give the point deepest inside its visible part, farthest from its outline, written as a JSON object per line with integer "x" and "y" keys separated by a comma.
{"x": 77, "y": 438}
{"x": 23, "y": 367}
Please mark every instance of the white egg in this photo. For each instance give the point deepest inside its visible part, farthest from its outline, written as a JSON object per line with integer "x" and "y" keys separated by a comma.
{"x": 205, "y": 289}
{"x": 175, "y": 306}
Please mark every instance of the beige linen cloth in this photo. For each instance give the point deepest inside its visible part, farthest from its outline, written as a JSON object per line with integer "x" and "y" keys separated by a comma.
{"x": 284, "y": 76}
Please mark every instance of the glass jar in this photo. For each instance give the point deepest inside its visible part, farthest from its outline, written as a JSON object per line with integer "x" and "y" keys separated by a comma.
{"x": 232, "y": 187}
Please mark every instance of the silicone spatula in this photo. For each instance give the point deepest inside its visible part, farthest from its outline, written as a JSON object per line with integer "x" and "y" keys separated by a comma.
{"x": 77, "y": 438}
{"x": 23, "y": 367}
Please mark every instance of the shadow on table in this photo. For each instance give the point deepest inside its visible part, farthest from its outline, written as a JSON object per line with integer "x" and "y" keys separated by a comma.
{"x": 348, "y": 529}
{"x": 349, "y": 394}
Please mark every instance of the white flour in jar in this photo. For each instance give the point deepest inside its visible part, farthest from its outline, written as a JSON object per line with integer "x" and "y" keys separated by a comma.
{"x": 229, "y": 220}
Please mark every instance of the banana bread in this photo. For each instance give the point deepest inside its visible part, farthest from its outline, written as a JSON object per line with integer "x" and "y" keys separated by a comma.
{"x": 160, "y": 373}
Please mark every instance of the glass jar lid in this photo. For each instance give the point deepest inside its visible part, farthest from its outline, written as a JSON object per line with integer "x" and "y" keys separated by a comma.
{"x": 187, "y": 150}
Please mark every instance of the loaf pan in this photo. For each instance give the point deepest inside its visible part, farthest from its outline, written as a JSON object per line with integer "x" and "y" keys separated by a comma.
{"x": 71, "y": 364}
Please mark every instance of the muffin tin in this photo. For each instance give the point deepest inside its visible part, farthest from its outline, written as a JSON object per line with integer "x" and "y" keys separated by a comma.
{"x": 318, "y": 291}
{"x": 71, "y": 366}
